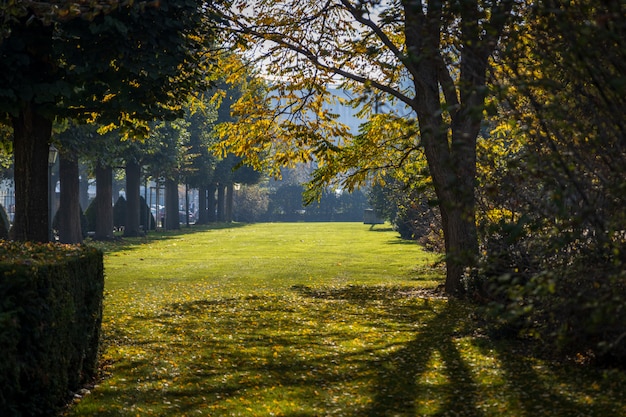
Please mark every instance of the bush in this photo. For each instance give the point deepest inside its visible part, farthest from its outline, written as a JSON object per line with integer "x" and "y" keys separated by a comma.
{"x": 568, "y": 293}
{"x": 84, "y": 224}
{"x": 149, "y": 223}
{"x": 50, "y": 316}
{"x": 119, "y": 214}
{"x": 251, "y": 204}
{"x": 409, "y": 206}
{"x": 90, "y": 215}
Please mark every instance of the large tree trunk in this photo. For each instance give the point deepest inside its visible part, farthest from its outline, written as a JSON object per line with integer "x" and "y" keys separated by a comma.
{"x": 69, "y": 207}
{"x": 450, "y": 146}
{"x": 31, "y": 141}
{"x": 454, "y": 185}
{"x": 221, "y": 203}
{"x": 172, "y": 221}
{"x": 104, "y": 207}
{"x": 133, "y": 186}
{"x": 211, "y": 203}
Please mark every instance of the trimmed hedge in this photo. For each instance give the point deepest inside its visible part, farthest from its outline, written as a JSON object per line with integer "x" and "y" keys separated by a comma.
{"x": 50, "y": 317}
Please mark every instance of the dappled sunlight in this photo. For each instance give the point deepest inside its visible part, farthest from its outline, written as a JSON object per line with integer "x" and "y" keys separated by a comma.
{"x": 211, "y": 342}
{"x": 351, "y": 351}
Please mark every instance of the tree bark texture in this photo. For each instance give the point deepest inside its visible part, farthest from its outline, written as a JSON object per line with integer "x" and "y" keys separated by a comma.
{"x": 211, "y": 216}
{"x": 133, "y": 206}
{"x": 32, "y": 129}
{"x": 230, "y": 199}
{"x": 172, "y": 221}
{"x": 104, "y": 206}
{"x": 450, "y": 146}
{"x": 203, "y": 215}
{"x": 32, "y": 133}
{"x": 70, "y": 230}
{"x": 221, "y": 203}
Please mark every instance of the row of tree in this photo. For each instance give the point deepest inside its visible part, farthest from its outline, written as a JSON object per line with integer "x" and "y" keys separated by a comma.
{"x": 173, "y": 153}
{"x": 150, "y": 101}
{"x": 115, "y": 64}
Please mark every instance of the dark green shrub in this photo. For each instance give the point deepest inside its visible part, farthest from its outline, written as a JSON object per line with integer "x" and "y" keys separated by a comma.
{"x": 119, "y": 213}
{"x": 84, "y": 224}
{"x": 144, "y": 213}
{"x": 568, "y": 293}
{"x": 50, "y": 316}
{"x": 409, "y": 206}
{"x": 90, "y": 215}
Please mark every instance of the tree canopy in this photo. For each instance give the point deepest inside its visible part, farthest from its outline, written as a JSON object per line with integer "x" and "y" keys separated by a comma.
{"x": 431, "y": 56}
{"x": 120, "y": 66}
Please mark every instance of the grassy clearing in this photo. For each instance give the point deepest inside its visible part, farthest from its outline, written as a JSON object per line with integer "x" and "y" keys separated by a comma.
{"x": 311, "y": 320}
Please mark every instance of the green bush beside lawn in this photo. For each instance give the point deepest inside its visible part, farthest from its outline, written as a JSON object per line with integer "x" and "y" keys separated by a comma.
{"x": 50, "y": 316}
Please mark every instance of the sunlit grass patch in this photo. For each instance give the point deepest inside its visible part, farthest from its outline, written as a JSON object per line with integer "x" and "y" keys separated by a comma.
{"x": 311, "y": 320}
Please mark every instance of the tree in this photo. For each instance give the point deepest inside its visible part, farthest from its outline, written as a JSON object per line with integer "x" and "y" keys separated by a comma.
{"x": 57, "y": 60}
{"x": 199, "y": 173}
{"x": 432, "y": 56}
{"x": 69, "y": 214}
{"x": 232, "y": 169}
{"x": 102, "y": 152}
{"x": 133, "y": 206}
{"x": 171, "y": 158}
{"x": 103, "y": 201}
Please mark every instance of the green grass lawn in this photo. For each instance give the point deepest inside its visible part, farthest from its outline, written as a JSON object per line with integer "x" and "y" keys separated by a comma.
{"x": 311, "y": 320}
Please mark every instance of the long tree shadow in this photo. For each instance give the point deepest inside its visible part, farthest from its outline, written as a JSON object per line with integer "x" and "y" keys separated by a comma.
{"x": 244, "y": 348}
{"x": 406, "y": 386}
{"x": 537, "y": 386}
{"x": 403, "y": 386}
{"x": 131, "y": 243}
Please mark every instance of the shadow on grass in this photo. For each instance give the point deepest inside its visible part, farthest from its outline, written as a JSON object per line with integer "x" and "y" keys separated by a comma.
{"x": 350, "y": 351}
{"x": 130, "y": 243}
{"x": 381, "y": 228}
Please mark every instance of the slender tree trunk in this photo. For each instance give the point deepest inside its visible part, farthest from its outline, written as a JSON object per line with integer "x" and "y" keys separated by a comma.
{"x": 211, "y": 203}
{"x": 133, "y": 185}
{"x": 221, "y": 203}
{"x": 31, "y": 141}
{"x": 69, "y": 207}
{"x": 203, "y": 215}
{"x": 230, "y": 196}
{"x": 104, "y": 207}
{"x": 187, "y": 205}
{"x": 172, "y": 221}
{"x": 160, "y": 217}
